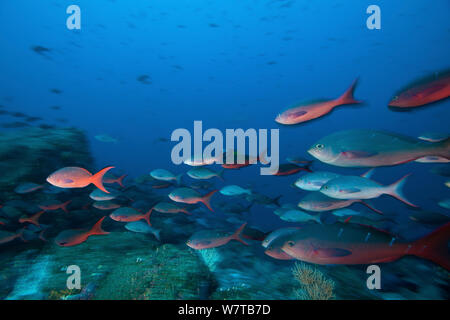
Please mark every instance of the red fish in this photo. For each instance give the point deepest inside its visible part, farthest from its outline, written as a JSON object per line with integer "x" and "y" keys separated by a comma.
{"x": 74, "y": 237}
{"x": 127, "y": 214}
{"x": 75, "y": 177}
{"x": 353, "y": 244}
{"x": 305, "y": 112}
{"x": 210, "y": 239}
{"x": 288, "y": 169}
{"x": 248, "y": 160}
{"x": 118, "y": 180}
{"x": 56, "y": 206}
{"x": 34, "y": 219}
{"x": 425, "y": 91}
{"x": 6, "y": 236}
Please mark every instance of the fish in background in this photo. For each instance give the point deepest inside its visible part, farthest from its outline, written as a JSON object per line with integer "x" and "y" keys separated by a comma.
{"x": 422, "y": 92}
{"x": 287, "y": 169}
{"x": 315, "y": 180}
{"x": 206, "y": 239}
{"x": 75, "y": 177}
{"x": 428, "y": 217}
{"x": 169, "y": 207}
{"x": 6, "y": 236}
{"x": 112, "y": 180}
{"x": 354, "y": 244}
{"x": 165, "y": 175}
{"x": 434, "y": 136}
{"x": 445, "y": 203}
{"x": 298, "y": 160}
{"x": 56, "y": 206}
{"x": 73, "y": 237}
{"x": 142, "y": 227}
{"x": 234, "y": 190}
{"x": 262, "y": 199}
{"x": 190, "y": 196}
{"x": 374, "y": 148}
{"x": 311, "y": 110}
{"x": 127, "y": 214}
{"x": 319, "y": 202}
{"x": 355, "y": 187}
{"x": 105, "y": 138}
{"x": 202, "y": 173}
{"x": 106, "y": 205}
{"x": 28, "y": 187}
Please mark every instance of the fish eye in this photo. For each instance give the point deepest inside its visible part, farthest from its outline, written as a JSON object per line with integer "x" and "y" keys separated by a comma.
{"x": 319, "y": 146}
{"x": 395, "y": 98}
{"x": 290, "y": 243}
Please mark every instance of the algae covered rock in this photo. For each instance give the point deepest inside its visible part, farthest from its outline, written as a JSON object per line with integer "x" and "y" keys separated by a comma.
{"x": 31, "y": 154}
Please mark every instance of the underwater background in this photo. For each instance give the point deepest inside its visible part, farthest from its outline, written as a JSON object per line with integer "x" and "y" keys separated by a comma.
{"x": 112, "y": 93}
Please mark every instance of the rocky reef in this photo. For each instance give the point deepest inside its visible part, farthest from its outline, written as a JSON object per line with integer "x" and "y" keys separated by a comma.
{"x": 30, "y": 154}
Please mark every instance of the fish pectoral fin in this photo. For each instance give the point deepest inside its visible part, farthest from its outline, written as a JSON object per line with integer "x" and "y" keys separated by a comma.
{"x": 331, "y": 252}
{"x": 300, "y": 113}
{"x": 350, "y": 190}
{"x": 357, "y": 154}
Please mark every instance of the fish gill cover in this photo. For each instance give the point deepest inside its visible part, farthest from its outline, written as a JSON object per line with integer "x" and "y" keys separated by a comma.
{"x": 94, "y": 206}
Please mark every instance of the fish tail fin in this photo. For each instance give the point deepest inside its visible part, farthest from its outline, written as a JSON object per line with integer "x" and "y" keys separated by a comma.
{"x": 220, "y": 174}
{"x": 263, "y": 157}
{"x": 396, "y": 190}
{"x": 97, "y": 179}
{"x": 206, "y": 199}
{"x": 446, "y": 148}
{"x": 237, "y": 235}
{"x": 371, "y": 207}
{"x": 41, "y": 236}
{"x": 178, "y": 178}
{"x": 347, "y": 97}
{"x": 64, "y": 206}
{"x": 434, "y": 246}
{"x": 368, "y": 174}
{"x": 308, "y": 167}
{"x": 120, "y": 180}
{"x": 157, "y": 234}
{"x": 97, "y": 228}
{"x": 147, "y": 216}
{"x": 185, "y": 211}
{"x": 276, "y": 200}
{"x": 19, "y": 234}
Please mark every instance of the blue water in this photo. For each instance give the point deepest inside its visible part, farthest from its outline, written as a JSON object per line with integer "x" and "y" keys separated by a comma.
{"x": 231, "y": 64}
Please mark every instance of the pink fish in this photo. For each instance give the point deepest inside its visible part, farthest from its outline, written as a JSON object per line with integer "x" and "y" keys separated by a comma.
{"x": 75, "y": 177}
{"x": 305, "y": 112}
{"x": 74, "y": 237}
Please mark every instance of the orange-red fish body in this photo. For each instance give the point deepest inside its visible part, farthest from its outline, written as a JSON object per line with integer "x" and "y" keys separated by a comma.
{"x": 75, "y": 177}
{"x": 73, "y": 237}
{"x": 317, "y": 109}
{"x": 427, "y": 91}
{"x": 288, "y": 169}
{"x": 355, "y": 244}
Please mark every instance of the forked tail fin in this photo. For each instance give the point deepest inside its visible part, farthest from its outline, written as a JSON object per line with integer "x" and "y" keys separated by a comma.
{"x": 97, "y": 228}
{"x": 97, "y": 179}
{"x": 434, "y": 246}
{"x": 237, "y": 235}
{"x": 206, "y": 199}
{"x": 347, "y": 97}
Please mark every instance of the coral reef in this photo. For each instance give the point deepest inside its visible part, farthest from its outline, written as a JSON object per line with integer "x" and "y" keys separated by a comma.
{"x": 313, "y": 283}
